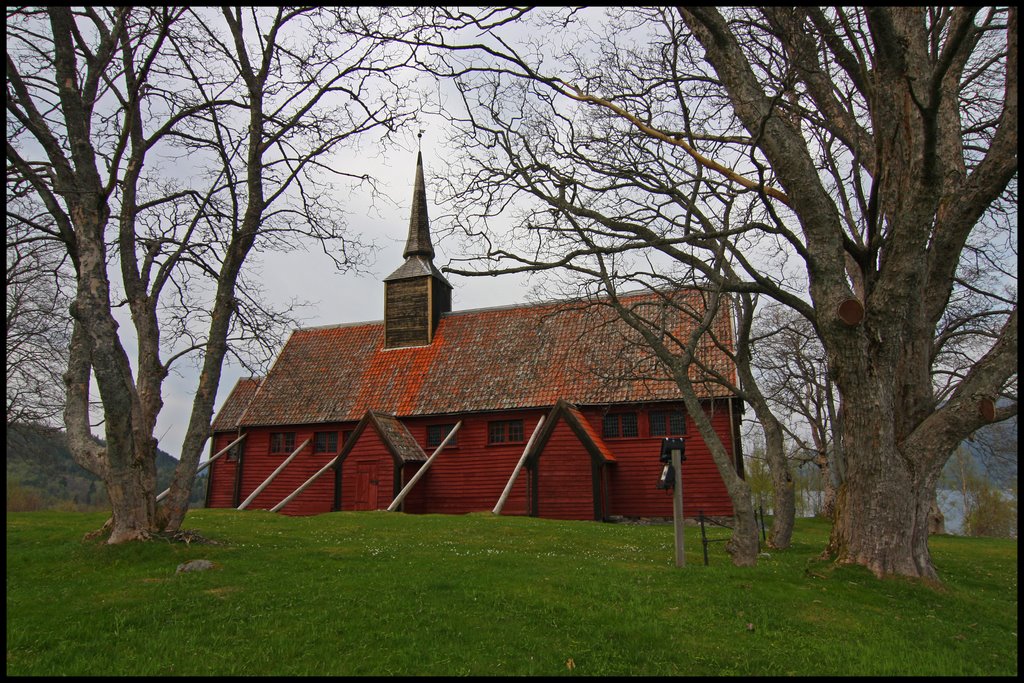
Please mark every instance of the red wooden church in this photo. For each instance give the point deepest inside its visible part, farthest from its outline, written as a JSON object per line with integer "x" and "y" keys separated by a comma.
{"x": 365, "y": 404}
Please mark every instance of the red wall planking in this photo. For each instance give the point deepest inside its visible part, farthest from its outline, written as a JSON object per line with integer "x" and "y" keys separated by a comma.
{"x": 565, "y": 485}
{"x": 367, "y": 474}
{"x": 470, "y": 476}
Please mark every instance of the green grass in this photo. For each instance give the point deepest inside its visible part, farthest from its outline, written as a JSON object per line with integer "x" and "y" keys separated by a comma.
{"x": 378, "y": 593}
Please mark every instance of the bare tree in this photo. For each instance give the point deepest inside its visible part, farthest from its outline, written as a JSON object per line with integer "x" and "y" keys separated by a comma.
{"x": 792, "y": 369}
{"x": 166, "y": 144}
{"x": 912, "y": 72}
{"x": 845, "y": 161}
{"x": 38, "y": 325}
{"x": 783, "y": 491}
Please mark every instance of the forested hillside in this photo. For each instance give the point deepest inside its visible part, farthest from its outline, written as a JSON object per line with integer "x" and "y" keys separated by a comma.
{"x": 41, "y": 473}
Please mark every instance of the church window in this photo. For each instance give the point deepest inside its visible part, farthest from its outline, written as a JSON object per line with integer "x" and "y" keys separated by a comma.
{"x": 667, "y": 423}
{"x": 325, "y": 442}
{"x": 616, "y": 425}
{"x": 436, "y": 434}
{"x": 505, "y": 431}
{"x": 282, "y": 442}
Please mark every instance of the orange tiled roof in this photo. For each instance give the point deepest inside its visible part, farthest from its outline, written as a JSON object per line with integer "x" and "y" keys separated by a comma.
{"x": 592, "y": 435}
{"x": 481, "y": 360}
{"x": 588, "y": 436}
{"x": 240, "y": 397}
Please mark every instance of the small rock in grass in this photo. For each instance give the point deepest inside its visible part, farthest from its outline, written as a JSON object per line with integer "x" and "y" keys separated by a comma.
{"x": 195, "y": 566}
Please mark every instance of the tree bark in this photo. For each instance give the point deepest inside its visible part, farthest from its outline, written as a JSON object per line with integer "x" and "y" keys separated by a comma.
{"x": 129, "y": 469}
{"x": 828, "y": 504}
{"x": 783, "y": 491}
{"x": 881, "y": 515}
{"x": 936, "y": 520}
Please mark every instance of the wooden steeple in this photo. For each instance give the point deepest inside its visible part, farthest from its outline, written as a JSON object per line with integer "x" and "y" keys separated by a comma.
{"x": 416, "y": 294}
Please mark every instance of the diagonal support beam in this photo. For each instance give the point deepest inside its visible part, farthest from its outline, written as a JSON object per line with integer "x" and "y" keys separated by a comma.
{"x": 416, "y": 477}
{"x": 515, "y": 473}
{"x": 306, "y": 485}
{"x": 266, "y": 482}
{"x": 206, "y": 464}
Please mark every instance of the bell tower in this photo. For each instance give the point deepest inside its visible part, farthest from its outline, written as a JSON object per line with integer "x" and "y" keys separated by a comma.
{"x": 417, "y": 294}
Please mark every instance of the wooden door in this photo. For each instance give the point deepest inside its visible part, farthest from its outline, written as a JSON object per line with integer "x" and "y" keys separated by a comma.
{"x": 366, "y": 485}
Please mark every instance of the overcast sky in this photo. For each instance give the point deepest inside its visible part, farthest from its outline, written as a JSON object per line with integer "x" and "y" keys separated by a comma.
{"x": 339, "y": 298}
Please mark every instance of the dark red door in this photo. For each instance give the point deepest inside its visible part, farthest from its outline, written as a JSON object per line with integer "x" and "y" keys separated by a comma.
{"x": 366, "y": 486}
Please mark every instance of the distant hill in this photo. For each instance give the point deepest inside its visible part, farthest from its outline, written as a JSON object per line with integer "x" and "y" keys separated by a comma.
{"x": 42, "y": 474}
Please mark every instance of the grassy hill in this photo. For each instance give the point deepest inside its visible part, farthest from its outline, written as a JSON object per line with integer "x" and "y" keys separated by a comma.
{"x": 41, "y": 473}
{"x": 378, "y": 593}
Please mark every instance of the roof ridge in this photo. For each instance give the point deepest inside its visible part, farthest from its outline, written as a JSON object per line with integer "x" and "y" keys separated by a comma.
{"x": 336, "y": 325}
{"x": 484, "y": 309}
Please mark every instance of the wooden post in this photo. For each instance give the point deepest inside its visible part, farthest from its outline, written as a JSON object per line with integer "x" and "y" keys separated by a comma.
{"x": 291, "y": 496}
{"x": 416, "y": 477}
{"x": 703, "y": 537}
{"x": 677, "y": 508}
{"x": 515, "y": 473}
{"x": 273, "y": 474}
{"x": 206, "y": 464}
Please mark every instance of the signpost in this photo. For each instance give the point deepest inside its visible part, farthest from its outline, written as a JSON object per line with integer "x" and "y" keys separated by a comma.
{"x": 673, "y": 453}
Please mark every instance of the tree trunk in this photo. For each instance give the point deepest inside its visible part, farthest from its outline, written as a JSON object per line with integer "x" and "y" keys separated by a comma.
{"x": 783, "y": 493}
{"x": 127, "y": 463}
{"x": 936, "y": 520}
{"x": 828, "y": 505}
{"x": 743, "y": 545}
{"x": 882, "y": 506}
{"x": 132, "y": 501}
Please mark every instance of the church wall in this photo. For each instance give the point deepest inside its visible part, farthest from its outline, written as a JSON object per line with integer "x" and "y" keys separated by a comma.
{"x": 564, "y": 473}
{"x": 257, "y": 463}
{"x": 368, "y": 474}
{"x": 470, "y": 476}
{"x": 631, "y": 481}
{"x": 220, "y": 487}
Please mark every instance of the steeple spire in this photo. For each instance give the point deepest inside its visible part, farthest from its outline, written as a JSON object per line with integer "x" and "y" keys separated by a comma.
{"x": 419, "y": 243}
{"x": 417, "y": 294}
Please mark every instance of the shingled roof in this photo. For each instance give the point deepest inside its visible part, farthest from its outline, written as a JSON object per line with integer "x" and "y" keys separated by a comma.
{"x": 588, "y": 436}
{"x": 481, "y": 360}
{"x": 393, "y": 433}
{"x": 235, "y": 404}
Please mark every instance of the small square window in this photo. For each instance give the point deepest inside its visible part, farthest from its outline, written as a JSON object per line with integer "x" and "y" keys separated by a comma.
{"x": 616, "y": 425}
{"x": 515, "y": 430}
{"x": 282, "y": 442}
{"x": 437, "y": 433}
{"x": 667, "y": 423}
{"x": 325, "y": 442}
{"x": 496, "y": 432}
{"x": 505, "y": 431}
